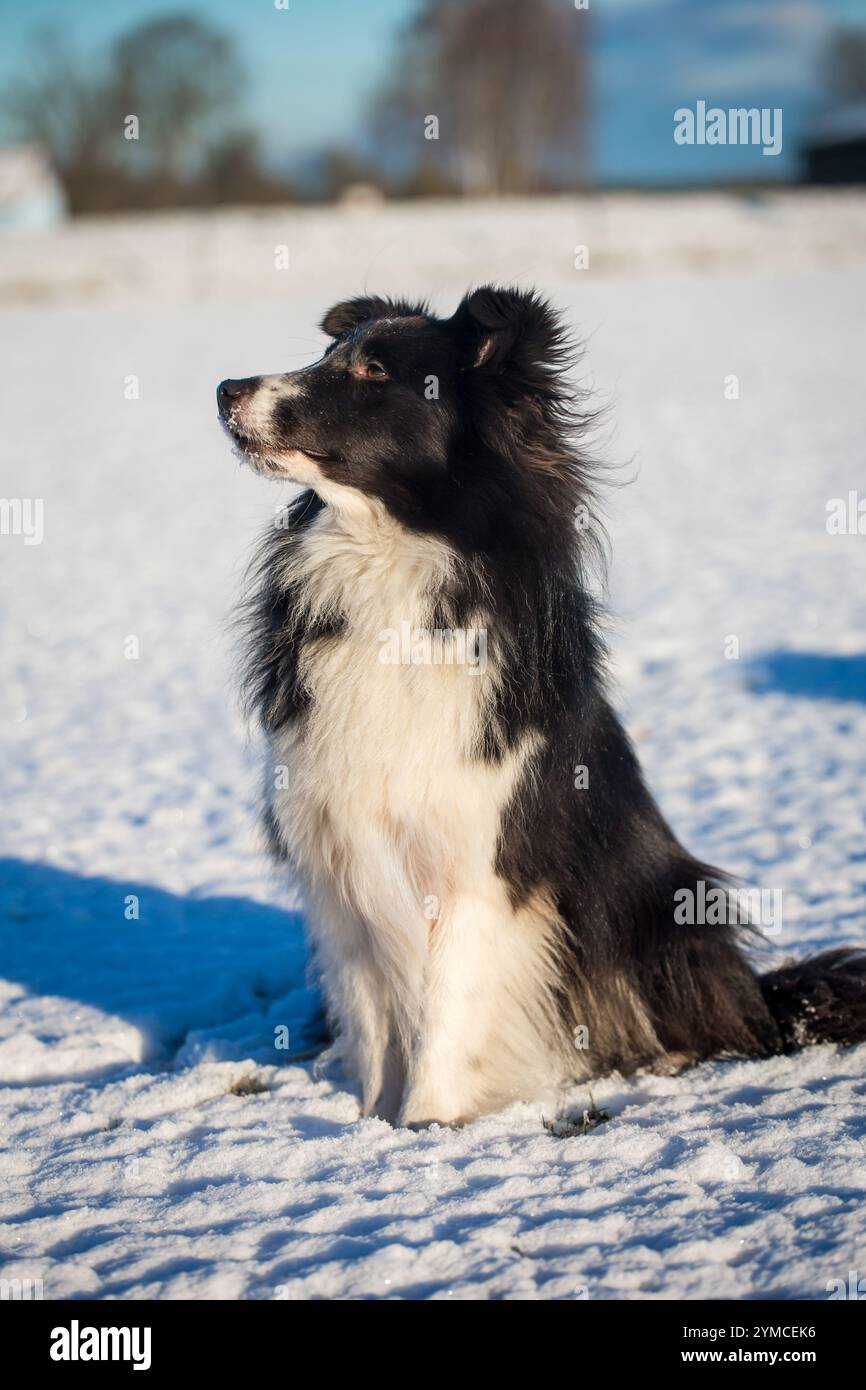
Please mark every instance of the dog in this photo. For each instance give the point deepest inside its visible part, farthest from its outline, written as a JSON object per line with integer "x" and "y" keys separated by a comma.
{"x": 487, "y": 924}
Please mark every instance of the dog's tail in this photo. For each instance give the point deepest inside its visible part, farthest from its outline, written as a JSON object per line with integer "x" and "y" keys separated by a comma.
{"x": 820, "y": 999}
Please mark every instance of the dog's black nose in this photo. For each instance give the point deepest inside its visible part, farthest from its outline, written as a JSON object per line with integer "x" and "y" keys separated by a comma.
{"x": 229, "y": 390}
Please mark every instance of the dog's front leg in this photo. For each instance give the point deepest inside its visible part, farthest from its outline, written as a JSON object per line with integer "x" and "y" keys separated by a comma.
{"x": 460, "y": 1063}
{"x": 359, "y": 1001}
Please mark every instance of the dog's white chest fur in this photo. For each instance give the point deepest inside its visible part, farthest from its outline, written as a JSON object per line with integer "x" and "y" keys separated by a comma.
{"x": 393, "y": 820}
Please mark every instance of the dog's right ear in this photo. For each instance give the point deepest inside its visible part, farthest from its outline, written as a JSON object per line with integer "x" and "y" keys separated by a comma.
{"x": 509, "y": 331}
{"x": 344, "y": 317}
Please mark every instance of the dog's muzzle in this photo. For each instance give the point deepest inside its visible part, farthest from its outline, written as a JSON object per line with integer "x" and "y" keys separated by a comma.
{"x": 231, "y": 391}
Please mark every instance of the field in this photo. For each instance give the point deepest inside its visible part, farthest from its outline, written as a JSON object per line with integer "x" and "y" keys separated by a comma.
{"x": 158, "y": 1143}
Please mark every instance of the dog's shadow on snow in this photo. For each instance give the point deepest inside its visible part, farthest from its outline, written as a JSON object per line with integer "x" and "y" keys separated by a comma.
{"x": 810, "y": 675}
{"x": 222, "y": 967}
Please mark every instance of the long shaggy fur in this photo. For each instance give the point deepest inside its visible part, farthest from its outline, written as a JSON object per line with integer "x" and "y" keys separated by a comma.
{"x": 552, "y": 950}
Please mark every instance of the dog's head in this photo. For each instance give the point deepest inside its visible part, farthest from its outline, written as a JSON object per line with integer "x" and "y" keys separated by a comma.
{"x": 402, "y": 406}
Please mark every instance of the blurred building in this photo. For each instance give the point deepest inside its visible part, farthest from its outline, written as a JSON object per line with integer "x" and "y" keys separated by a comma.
{"x": 834, "y": 148}
{"x": 31, "y": 194}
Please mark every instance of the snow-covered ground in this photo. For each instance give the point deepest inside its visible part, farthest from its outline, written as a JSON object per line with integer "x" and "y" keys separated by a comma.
{"x": 433, "y": 245}
{"x": 157, "y": 1142}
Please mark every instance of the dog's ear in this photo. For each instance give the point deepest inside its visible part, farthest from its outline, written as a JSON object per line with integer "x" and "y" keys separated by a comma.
{"x": 352, "y": 312}
{"x": 508, "y": 329}
{"x": 342, "y": 318}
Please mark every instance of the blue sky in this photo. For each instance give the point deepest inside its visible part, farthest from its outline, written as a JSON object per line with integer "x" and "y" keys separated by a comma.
{"x": 312, "y": 67}
{"x": 653, "y": 56}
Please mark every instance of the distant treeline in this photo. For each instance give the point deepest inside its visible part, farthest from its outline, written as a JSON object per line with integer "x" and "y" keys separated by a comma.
{"x": 490, "y": 98}
{"x": 481, "y": 97}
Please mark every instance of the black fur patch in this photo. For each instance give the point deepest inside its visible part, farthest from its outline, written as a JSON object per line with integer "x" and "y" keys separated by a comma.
{"x": 273, "y": 622}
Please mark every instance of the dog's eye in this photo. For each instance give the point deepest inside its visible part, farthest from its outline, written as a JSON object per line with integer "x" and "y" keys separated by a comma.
{"x": 372, "y": 371}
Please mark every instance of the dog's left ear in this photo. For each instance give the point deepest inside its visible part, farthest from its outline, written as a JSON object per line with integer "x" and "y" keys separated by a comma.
{"x": 342, "y": 318}
{"x": 508, "y": 329}
{"x": 353, "y": 312}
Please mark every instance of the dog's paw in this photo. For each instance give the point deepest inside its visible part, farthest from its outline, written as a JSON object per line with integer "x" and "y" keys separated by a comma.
{"x": 672, "y": 1063}
{"x": 420, "y": 1111}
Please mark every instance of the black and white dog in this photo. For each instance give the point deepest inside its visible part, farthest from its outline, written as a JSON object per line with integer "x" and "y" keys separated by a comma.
{"x": 425, "y": 657}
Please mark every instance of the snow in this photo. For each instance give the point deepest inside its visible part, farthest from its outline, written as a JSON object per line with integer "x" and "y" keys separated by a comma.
{"x": 432, "y": 245}
{"x": 157, "y": 1140}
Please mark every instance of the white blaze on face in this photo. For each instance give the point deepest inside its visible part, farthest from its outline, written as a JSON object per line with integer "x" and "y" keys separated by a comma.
{"x": 255, "y": 414}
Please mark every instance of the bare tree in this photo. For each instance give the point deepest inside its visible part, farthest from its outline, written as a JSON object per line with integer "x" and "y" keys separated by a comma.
{"x": 507, "y": 82}
{"x": 234, "y": 172}
{"x": 54, "y": 103}
{"x": 177, "y": 75}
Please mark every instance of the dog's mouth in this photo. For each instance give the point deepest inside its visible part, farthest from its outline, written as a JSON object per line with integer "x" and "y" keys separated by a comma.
{"x": 237, "y": 435}
{"x": 246, "y": 445}
{"x": 260, "y": 452}
{"x": 315, "y": 454}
